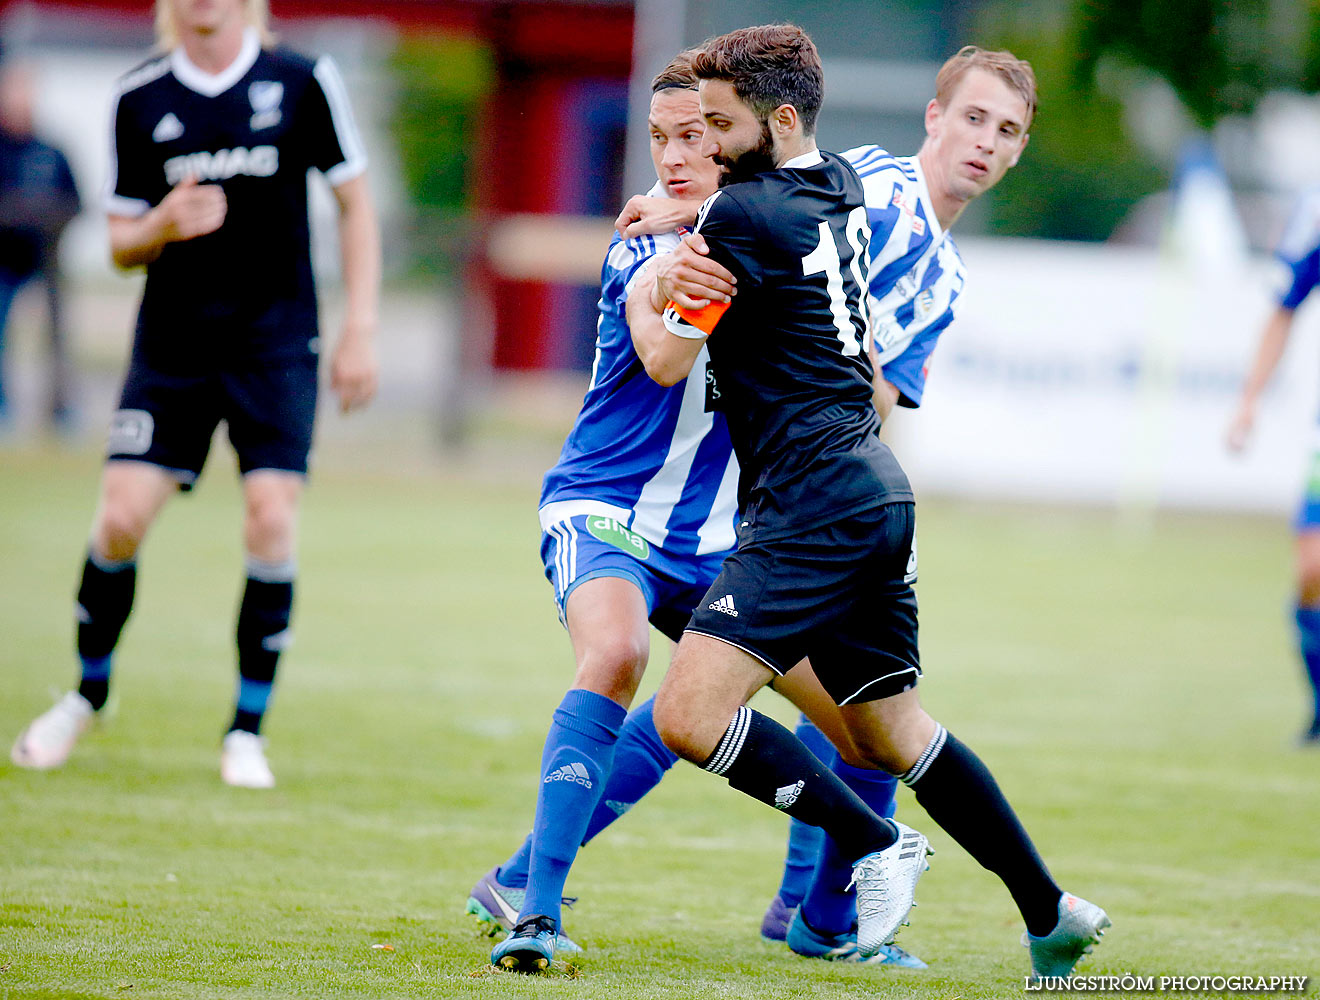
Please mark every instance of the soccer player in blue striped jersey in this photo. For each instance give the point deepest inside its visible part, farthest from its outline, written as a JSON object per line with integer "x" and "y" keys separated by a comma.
{"x": 637, "y": 515}
{"x": 1298, "y": 256}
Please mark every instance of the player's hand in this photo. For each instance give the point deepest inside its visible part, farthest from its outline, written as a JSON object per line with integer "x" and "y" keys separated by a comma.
{"x": 354, "y": 367}
{"x": 191, "y": 210}
{"x": 689, "y": 278}
{"x": 647, "y": 216}
{"x": 1239, "y": 430}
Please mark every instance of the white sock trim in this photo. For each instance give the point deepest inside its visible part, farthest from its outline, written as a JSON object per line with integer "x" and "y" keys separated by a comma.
{"x": 933, "y": 748}
{"x": 732, "y": 742}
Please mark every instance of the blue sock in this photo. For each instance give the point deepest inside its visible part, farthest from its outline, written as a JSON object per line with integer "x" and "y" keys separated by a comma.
{"x": 804, "y": 841}
{"x": 579, "y": 750}
{"x": 1308, "y": 626}
{"x": 829, "y": 906}
{"x": 640, "y": 761}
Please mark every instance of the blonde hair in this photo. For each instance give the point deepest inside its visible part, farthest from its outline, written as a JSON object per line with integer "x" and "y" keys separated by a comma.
{"x": 1013, "y": 71}
{"x": 256, "y": 12}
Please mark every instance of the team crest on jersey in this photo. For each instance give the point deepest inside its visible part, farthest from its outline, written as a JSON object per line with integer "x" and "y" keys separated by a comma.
{"x": 167, "y": 129}
{"x": 925, "y": 303}
{"x": 265, "y": 96}
{"x": 611, "y": 532}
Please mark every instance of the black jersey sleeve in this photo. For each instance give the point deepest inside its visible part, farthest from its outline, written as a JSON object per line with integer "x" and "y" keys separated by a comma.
{"x": 733, "y": 238}
{"x": 131, "y": 189}
{"x": 329, "y": 132}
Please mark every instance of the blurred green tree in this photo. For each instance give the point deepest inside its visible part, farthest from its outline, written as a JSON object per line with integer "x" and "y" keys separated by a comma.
{"x": 1082, "y": 171}
{"x": 441, "y": 83}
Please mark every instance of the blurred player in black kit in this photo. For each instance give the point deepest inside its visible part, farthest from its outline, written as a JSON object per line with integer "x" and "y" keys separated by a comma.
{"x": 212, "y": 145}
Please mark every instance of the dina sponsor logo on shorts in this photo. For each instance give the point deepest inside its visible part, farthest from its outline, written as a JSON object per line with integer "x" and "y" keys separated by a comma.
{"x": 611, "y": 532}
{"x": 574, "y": 773}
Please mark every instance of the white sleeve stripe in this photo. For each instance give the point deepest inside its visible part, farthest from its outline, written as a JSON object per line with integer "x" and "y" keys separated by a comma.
{"x": 131, "y": 208}
{"x": 341, "y": 115}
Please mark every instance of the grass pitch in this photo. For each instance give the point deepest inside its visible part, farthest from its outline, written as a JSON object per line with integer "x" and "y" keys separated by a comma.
{"x": 1135, "y": 695}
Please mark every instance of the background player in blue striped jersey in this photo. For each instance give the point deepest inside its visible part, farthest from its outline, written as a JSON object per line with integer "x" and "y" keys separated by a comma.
{"x": 212, "y": 144}
{"x": 1298, "y": 254}
{"x": 977, "y": 127}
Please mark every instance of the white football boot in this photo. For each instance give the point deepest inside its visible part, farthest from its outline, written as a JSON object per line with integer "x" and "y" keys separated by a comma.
{"x": 50, "y": 737}
{"x": 243, "y": 761}
{"x": 886, "y": 884}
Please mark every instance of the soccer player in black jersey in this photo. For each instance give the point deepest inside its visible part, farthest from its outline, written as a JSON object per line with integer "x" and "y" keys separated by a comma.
{"x": 212, "y": 145}
{"x": 824, "y": 563}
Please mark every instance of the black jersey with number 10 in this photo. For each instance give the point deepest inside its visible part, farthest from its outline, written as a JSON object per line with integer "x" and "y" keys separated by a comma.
{"x": 789, "y": 355}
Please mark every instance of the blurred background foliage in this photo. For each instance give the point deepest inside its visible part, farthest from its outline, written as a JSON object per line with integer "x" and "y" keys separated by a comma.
{"x": 442, "y": 82}
{"x": 1085, "y": 168}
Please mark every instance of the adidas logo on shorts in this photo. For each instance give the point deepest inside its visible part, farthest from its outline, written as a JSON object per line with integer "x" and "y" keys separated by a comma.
{"x": 786, "y": 796}
{"x": 724, "y": 605}
{"x": 574, "y": 773}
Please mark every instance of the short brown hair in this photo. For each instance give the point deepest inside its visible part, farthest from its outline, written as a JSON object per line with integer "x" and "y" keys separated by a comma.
{"x": 678, "y": 74}
{"x": 1013, "y": 71}
{"x": 769, "y": 65}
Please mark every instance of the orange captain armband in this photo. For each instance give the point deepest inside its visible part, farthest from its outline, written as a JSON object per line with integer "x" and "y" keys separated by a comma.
{"x": 704, "y": 319}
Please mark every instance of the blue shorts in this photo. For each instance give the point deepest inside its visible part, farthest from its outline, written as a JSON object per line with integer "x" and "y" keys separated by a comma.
{"x": 588, "y": 546}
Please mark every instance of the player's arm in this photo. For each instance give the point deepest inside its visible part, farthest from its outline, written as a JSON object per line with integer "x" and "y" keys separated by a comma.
{"x": 645, "y": 215}
{"x": 690, "y": 278}
{"x": 884, "y": 393}
{"x": 667, "y": 357}
{"x": 354, "y": 366}
{"x": 190, "y": 210}
{"x": 1273, "y": 342}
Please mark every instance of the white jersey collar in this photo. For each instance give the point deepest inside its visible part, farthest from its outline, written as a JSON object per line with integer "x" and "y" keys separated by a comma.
{"x": 213, "y": 84}
{"x": 804, "y": 160}
{"x": 923, "y": 192}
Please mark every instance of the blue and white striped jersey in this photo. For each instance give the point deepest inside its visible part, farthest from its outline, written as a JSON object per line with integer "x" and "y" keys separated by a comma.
{"x": 1298, "y": 252}
{"x": 916, "y": 273}
{"x": 658, "y": 460}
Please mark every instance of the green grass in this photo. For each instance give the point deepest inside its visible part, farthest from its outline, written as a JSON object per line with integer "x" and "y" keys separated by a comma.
{"x": 1136, "y": 695}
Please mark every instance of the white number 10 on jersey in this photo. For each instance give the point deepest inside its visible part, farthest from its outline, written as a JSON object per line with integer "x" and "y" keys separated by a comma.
{"x": 827, "y": 259}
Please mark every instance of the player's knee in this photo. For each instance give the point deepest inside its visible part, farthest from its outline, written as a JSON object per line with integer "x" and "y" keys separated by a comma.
{"x": 119, "y": 531}
{"x": 676, "y": 729}
{"x": 268, "y": 527}
{"x": 1308, "y": 583}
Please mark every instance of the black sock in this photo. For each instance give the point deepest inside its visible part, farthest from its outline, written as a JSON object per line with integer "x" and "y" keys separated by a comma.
{"x": 105, "y": 598}
{"x": 262, "y": 633}
{"x": 962, "y": 796}
{"x": 764, "y": 760}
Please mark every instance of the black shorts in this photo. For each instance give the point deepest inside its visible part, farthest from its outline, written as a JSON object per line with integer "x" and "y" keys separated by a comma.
{"x": 168, "y": 419}
{"x": 840, "y": 594}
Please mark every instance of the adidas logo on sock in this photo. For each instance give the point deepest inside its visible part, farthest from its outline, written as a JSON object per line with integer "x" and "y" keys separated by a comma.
{"x": 786, "y": 796}
{"x": 724, "y": 605}
{"x": 574, "y": 773}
